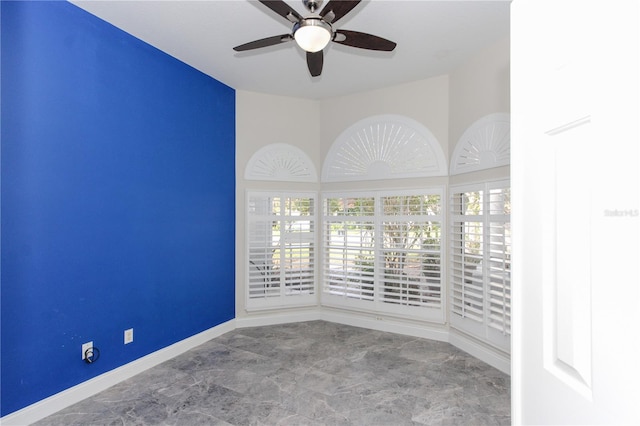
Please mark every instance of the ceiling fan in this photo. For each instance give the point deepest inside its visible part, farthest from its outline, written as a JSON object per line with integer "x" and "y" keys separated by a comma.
{"x": 314, "y": 31}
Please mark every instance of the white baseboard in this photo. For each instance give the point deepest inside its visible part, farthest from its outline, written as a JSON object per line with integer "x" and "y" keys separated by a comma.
{"x": 272, "y": 318}
{"x": 491, "y": 356}
{"x": 68, "y": 397}
{"x": 388, "y": 324}
{"x": 433, "y": 332}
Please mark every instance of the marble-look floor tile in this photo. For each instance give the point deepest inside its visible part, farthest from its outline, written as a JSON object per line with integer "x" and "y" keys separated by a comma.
{"x": 313, "y": 373}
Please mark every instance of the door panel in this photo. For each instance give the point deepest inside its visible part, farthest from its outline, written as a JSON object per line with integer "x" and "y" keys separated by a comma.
{"x": 567, "y": 282}
{"x": 576, "y": 221}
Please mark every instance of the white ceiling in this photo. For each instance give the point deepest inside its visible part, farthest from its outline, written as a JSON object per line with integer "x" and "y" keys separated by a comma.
{"x": 433, "y": 38}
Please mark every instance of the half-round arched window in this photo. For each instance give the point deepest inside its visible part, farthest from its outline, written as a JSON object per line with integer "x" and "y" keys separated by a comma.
{"x": 484, "y": 145}
{"x": 384, "y": 147}
{"x": 281, "y": 162}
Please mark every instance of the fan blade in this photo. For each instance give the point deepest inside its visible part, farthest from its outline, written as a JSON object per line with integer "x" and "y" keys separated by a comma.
{"x": 269, "y": 41}
{"x": 335, "y": 9}
{"x": 314, "y": 61}
{"x": 282, "y": 9}
{"x": 363, "y": 40}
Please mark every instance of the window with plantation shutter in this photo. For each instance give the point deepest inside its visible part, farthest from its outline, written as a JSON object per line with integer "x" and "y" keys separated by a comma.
{"x": 281, "y": 250}
{"x": 480, "y": 261}
{"x": 349, "y": 247}
{"x": 383, "y": 252}
{"x": 410, "y": 252}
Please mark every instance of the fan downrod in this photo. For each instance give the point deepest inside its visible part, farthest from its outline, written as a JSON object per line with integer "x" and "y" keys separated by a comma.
{"x": 312, "y": 5}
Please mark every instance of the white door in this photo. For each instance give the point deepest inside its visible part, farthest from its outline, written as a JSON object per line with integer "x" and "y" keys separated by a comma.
{"x": 576, "y": 211}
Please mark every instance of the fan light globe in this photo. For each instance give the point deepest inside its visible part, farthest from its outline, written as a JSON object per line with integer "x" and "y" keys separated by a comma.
{"x": 312, "y": 35}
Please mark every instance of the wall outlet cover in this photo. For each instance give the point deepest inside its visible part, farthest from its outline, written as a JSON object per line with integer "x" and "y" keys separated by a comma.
{"x": 85, "y": 347}
{"x": 128, "y": 336}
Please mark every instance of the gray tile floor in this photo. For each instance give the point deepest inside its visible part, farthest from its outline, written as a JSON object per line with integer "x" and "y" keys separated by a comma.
{"x": 312, "y": 373}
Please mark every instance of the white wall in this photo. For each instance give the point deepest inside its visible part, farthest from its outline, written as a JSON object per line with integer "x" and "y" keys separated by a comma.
{"x": 266, "y": 119}
{"x": 479, "y": 87}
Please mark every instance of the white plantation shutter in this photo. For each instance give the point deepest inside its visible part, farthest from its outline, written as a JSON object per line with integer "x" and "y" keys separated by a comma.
{"x": 281, "y": 249}
{"x": 499, "y": 265}
{"x": 410, "y": 252}
{"x": 467, "y": 273}
{"x": 467, "y": 251}
{"x": 383, "y": 252}
{"x": 262, "y": 276}
{"x": 349, "y": 247}
{"x": 297, "y": 257}
{"x": 480, "y": 261}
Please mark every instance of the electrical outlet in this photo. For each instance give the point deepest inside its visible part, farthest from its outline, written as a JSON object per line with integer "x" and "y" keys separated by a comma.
{"x": 85, "y": 348}
{"x": 128, "y": 336}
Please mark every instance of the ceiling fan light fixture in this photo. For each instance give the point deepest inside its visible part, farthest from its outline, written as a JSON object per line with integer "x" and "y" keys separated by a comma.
{"x": 312, "y": 34}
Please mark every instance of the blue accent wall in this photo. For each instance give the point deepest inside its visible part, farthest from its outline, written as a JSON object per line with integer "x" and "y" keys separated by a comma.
{"x": 118, "y": 199}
